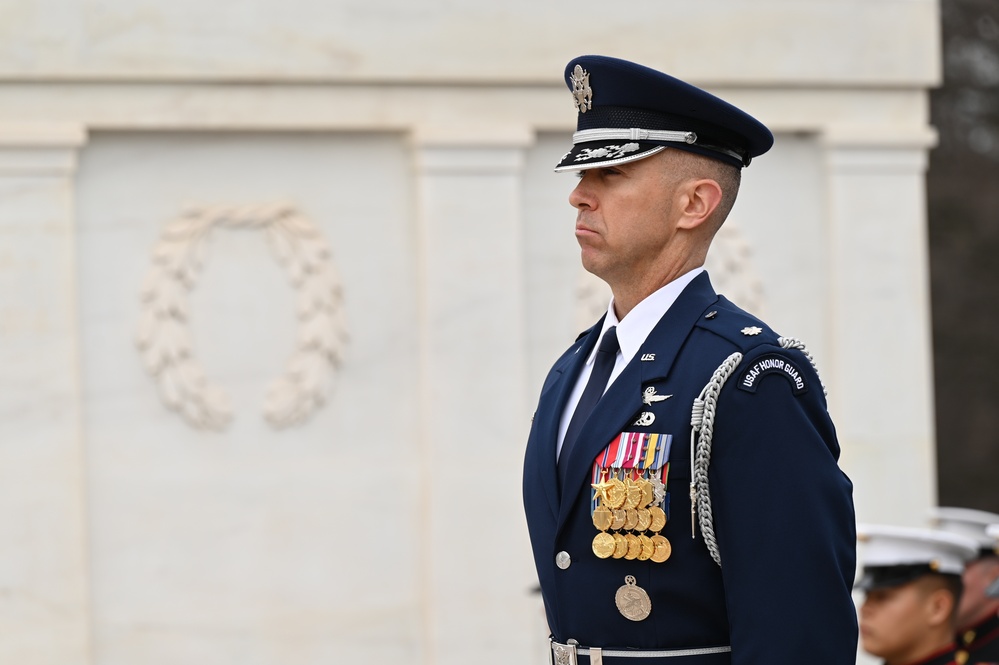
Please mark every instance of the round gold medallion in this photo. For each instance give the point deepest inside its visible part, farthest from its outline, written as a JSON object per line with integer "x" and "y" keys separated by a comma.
{"x": 632, "y": 521}
{"x": 658, "y": 518}
{"x": 603, "y": 545}
{"x": 662, "y": 548}
{"x": 616, "y": 494}
{"x": 620, "y": 517}
{"x": 634, "y": 547}
{"x": 632, "y": 601}
{"x": 602, "y": 518}
{"x": 644, "y": 519}
{"x": 620, "y": 546}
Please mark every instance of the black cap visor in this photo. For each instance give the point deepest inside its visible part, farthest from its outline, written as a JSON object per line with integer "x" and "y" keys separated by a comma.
{"x": 886, "y": 577}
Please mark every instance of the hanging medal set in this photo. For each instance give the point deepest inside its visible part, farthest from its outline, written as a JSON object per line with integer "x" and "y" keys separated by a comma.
{"x": 629, "y": 502}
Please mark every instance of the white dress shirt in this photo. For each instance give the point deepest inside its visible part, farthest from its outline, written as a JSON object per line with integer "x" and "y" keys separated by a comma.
{"x": 631, "y": 334}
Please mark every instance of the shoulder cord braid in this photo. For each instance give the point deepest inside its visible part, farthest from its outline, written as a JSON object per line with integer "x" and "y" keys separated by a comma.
{"x": 702, "y": 421}
{"x": 792, "y": 343}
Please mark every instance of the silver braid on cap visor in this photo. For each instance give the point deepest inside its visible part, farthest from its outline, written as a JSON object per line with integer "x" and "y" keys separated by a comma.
{"x": 637, "y": 134}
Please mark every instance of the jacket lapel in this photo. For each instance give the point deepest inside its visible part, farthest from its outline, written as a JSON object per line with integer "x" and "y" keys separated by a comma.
{"x": 619, "y": 406}
{"x": 551, "y": 405}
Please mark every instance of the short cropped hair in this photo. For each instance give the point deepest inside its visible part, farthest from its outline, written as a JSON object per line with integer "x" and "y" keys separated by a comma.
{"x": 952, "y": 584}
{"x": 691, "y": 166}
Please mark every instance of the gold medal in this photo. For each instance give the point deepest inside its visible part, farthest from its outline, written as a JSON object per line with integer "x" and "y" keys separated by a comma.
{"x": 632, "y": 601}
{"x": 662, "y": 548}
{"x": 602, "y": 487}
{"x": 647, "y": 493}
{"x": 648, "y": 549}
{"x": 616, "y": 494}
{"x": 634, "y": 547}
{"x": 633, "y": 494}
{"x": 620, "y": 517}
{"x": 658, "y": 519}
{"x": 621, "y": 546}
{"x": 644, "y": 519}
{"x": 632, "y": 520}
{"x": 603, "y": 545}
{"x": 602, "y": 517}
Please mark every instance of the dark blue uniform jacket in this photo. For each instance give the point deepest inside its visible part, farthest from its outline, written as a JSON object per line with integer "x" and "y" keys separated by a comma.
{"x": 783, "y": 510}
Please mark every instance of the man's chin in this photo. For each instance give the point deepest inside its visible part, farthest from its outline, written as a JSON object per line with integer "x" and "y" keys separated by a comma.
{"x": 592, "y": 263}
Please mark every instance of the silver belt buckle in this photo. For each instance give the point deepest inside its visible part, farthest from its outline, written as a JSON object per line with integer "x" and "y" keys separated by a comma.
{"x": 563, "y": 654}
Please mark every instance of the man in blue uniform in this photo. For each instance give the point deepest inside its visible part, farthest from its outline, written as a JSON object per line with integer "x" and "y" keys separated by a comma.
{"x": 681, "y": 482}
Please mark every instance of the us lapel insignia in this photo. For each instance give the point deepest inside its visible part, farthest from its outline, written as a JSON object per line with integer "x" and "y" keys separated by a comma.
{"x": 648, "y": 357}
{"x": 646, "y": 419}
{"x": 650, "y": 396}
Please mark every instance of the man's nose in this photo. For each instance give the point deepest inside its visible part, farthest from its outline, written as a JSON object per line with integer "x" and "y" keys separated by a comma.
{"x": 581, "y": 196}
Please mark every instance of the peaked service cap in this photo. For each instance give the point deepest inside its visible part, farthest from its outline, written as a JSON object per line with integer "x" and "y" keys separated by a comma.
{"x": 895, "y": 555}
{"x": 992, "y": 590}
{"x": 967, "y": 522}
{"x": 626, "y": 111}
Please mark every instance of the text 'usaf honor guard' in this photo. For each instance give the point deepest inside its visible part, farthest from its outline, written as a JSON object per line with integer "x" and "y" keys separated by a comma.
{"x": 681, "y": 482}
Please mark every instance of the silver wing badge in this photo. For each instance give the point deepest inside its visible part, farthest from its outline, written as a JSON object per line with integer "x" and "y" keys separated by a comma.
{"x": 650, "y": 396}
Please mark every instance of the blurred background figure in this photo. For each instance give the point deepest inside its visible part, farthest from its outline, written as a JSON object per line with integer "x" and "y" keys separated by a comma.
{"x": 912, "y": 581}
{"x": 992, "y": 591}
{"x": 978, "y": 613}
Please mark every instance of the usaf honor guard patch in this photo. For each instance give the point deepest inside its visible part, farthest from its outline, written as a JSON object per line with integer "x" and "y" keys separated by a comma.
{"x": 772, "y": 363}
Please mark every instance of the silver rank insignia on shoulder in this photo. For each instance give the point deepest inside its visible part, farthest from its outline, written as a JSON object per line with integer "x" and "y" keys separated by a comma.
{"x": 646, "y": 419}
{"x": 650, "y": 396}
{"x": 582, "y": 93}
{"x": 648, "y": 357}
{"x": 751, "y": 330}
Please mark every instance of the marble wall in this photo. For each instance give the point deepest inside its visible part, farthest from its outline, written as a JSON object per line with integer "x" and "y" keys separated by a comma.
{"x": 416, "y": 142}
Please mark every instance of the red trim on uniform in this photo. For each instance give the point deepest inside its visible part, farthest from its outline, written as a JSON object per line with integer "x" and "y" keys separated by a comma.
{"x": 982, "y": 640}
{"x": 949, "y": 650}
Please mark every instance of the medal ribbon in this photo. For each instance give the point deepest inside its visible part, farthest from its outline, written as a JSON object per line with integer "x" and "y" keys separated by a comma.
{"x": 641, "y": 451}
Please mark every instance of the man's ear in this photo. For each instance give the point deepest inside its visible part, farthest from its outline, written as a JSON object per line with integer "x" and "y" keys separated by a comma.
{"x": 699, "y": 200}
{"x": 939, "y": 607}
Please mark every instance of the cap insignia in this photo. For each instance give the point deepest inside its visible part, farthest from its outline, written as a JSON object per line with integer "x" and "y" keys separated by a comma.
{"x": 607, "y": 152}
{"x": 582, "y": 93}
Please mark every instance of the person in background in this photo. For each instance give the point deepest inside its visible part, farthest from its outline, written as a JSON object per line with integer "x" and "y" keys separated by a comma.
{"x": 977, "y": 614}
{"x": 912, "y": 581}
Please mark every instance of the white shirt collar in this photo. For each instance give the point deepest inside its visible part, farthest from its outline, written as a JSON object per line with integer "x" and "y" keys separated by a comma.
{"x": 633, "y": 330}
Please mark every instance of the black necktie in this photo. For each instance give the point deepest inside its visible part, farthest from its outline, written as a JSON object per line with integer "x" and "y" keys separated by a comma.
{"x": 595, "y": 387}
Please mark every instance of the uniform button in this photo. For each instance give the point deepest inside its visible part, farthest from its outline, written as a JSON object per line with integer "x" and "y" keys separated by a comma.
{"x": 562, "y": 560}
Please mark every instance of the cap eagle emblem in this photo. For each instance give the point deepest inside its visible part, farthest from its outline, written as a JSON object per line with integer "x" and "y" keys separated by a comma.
{"x": 582, "y": 93}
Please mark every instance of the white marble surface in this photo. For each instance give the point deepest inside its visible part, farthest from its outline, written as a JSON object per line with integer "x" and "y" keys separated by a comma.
{"x": 473, "y": 401}
{"x": 767, "y": 41}
{"x": 282, "y": 546}
{"x": 44, "y": 568}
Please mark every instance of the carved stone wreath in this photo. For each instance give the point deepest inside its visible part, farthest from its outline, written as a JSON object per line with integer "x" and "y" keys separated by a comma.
{"x": 164, "y": 340}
